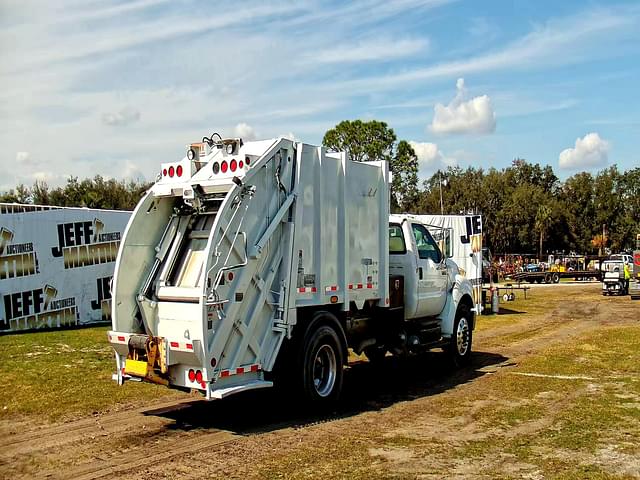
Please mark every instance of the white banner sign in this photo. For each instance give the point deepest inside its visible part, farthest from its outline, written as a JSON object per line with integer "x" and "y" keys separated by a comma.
{"x": 466, "y": 246}
{"x": 56, "y": 265}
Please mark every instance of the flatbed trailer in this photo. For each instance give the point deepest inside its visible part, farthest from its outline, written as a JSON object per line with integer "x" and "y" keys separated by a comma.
{"x": 554, "y": 277}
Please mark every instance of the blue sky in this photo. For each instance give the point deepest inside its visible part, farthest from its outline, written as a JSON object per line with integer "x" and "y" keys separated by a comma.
{"x": 116, "y": 88}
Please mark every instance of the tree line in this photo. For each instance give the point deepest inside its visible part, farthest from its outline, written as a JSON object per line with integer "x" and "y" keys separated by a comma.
{"x": 96, "y": 192}
{"x": 525, "y": 208}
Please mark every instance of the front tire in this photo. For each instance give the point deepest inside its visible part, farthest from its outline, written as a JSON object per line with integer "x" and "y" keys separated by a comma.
{"x": 459, "y": 348}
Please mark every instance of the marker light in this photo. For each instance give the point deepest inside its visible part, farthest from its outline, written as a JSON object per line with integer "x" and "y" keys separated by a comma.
{"x": 224, "y": 167}
{"x": 240, "y": 164}
{"x": 179, "y": 170}
{"x": 247, "y": 160}
{"x": 233, "y": 165}
{"x": 171, "y": 171}
{"x": 164, "y": 172}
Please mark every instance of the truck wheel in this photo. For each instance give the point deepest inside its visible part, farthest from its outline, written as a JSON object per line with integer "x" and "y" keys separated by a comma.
{"x": 555, "y": 278}
{"x": 322, "y": 366}
{"x": 459, "y": 348}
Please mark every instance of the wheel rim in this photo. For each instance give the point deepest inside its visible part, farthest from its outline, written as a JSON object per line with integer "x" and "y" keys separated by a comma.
{"x": 462, "y": 336}
{"x": 324, "y": 370}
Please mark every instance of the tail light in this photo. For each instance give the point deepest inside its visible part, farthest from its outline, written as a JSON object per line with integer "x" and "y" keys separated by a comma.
{"x": 233, "y": 165}
{"x": 240, "y": 164}
{"x": 179, "y": 170}
{"x": 164, "y": 172}
{"x": 199, "y": 376}
{"x": 171, "y": 171}
{"x": 192, "y": 375}
{"x": 216, "y": 168}
{"x": 224, "y": 167}
{"x": 247, "y": 160}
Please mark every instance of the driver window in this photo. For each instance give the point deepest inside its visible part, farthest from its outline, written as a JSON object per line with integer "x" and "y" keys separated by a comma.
{"x": 427, "y": 247}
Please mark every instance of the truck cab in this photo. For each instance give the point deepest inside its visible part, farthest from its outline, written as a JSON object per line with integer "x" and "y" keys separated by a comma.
{"x": 414, "y": 254}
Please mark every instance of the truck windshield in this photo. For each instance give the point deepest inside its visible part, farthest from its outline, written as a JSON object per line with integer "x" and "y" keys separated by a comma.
{"x": 427, "y": 247}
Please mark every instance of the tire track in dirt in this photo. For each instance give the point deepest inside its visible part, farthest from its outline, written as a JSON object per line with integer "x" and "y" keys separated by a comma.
{"x": 41, "y": 439}
{"x": 145, "y": 456}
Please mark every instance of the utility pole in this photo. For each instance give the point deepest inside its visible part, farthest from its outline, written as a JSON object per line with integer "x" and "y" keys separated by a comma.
{"x": 441, "y": 202}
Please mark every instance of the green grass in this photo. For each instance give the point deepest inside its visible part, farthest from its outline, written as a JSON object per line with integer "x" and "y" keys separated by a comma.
{"x": 580, "y": 416}
{"x": 61, "y": 374}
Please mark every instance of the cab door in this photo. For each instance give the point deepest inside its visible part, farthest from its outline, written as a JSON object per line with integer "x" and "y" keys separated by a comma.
{"x": 431, "y": 272}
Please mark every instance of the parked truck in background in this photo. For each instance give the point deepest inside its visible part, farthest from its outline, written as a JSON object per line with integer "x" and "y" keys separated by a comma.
{"x": 249, "y": 263}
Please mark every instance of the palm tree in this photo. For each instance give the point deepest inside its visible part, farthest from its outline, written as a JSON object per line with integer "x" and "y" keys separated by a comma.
{"x": 542, "y": 220}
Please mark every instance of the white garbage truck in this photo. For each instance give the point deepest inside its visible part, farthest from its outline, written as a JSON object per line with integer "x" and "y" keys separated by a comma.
{"x": 253, "y": 263}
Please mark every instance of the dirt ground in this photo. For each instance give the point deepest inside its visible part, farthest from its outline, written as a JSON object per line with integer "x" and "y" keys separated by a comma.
{"x": 542, "y": 399}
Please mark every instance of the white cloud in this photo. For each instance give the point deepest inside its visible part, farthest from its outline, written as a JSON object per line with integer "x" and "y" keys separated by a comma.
{"x": 124, "y": 117}
{"x": 460, "y": 116}
{"x": 589, "y": 151}
{"x": 132, "y": 172}
{"x": 290, "y": 136}
{"x": 430, "y": 158}
{"x": 23, "y": 157}
{"x": 244, "y": 131}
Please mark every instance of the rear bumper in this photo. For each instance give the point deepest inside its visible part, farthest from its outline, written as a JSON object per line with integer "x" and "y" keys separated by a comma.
{"x": 180, "y": 358}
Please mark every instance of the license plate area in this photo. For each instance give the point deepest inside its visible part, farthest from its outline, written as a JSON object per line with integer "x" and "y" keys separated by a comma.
{"x": 136, "y": 368}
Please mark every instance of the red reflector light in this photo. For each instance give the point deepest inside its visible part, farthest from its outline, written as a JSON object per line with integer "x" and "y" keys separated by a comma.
{"x": 164, "y": 172}
{"x": 234, "y": 165}
{"x": 189, "y": 346}
{"x": 120, "y": 339}
{"x": 203, "y": 385}
{"x": 230, "y": 276}
{"x": 199, "y": 376}
{"x": 241, "y": 164}
{"x": 171, "y": 171}
{"x": 213, "y": 362}
{"x": 179, "y": 170}
{"x": 192, "y": 375}
{"x": 224, "y": 167}
{"x": 175, "y": 344}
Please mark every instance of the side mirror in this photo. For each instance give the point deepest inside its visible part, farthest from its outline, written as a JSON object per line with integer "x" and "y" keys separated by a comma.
{"x": 448, "y": 246}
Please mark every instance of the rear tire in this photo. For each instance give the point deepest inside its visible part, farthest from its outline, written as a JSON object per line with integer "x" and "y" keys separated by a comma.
{"x": 459, "y": 348}
{"x": 321, "y": 362}
{"x": 555, "y": 278}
